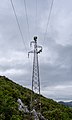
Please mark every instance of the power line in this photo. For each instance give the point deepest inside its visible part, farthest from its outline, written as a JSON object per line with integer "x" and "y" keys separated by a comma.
{"x": 49, "y": 18}
{"x": 35, "y": 20}
{"x": 36, "y": 17}
{"x": 36, "y": 12}
{"x": 18, "y": 24}
{"x": 27, "y": 18}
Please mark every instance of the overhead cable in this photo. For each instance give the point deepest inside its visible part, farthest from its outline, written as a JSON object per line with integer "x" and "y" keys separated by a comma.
{"x": 27, "y": 18}
{"x": 36, "y": 17}
{"x": 36, "y": 12}
{"x": 18, "y": 25}
{"x": 48, "y": 19}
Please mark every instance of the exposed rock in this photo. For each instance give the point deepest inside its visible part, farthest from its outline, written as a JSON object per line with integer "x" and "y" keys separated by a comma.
{"x": 22, "y": 107}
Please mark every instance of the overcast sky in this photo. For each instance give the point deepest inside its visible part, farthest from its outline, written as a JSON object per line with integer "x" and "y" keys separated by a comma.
{"x": 56, "y": 59}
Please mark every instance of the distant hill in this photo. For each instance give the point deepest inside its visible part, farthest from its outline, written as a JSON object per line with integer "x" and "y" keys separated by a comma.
{"x": 9, "y": 94}
{"x": 69, "y": 104}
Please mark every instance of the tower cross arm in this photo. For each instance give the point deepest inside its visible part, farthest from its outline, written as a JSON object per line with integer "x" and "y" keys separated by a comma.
{"x": 31, "y": 43}
{"x": 30, "y": 52}
{"x": 40, "y": 49}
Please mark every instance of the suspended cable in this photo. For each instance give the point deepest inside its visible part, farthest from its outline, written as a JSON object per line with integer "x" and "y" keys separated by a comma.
{"x": 36, "y": 12}
{"x": 27, "y": 18}
{"x": 35, "y": 21}
{"x": 36, "y": 17}
{"x": 48, "y": 18}
{"x": 18, "y": 24}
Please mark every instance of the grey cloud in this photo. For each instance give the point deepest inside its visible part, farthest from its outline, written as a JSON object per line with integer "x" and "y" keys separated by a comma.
{"x": 60, "y": 71}
{"x": 56, "y": 58}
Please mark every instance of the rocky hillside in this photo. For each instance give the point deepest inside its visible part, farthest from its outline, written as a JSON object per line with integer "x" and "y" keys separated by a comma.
{"x": 10, "y": 92}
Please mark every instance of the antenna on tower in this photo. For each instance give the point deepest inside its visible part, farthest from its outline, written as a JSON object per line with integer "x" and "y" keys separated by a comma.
{"x": 35, "y": 97}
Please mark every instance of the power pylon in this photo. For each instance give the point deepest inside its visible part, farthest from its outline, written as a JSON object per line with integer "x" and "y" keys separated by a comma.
{"x": 35, "y": 97}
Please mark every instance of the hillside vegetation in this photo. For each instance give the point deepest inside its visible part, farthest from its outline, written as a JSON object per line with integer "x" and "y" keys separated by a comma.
{"x": 9, "y": 94}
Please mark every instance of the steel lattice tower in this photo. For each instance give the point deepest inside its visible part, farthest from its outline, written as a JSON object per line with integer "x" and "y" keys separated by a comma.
{"x": 35, "y": 98}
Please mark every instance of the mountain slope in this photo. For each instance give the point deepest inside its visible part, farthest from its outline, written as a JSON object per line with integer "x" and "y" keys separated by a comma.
{"x": 69, "y": 104}
{"x": 9, "y": 94}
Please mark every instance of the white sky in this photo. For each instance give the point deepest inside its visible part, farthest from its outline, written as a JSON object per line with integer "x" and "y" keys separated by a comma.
{"x": 55, "y": 60}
